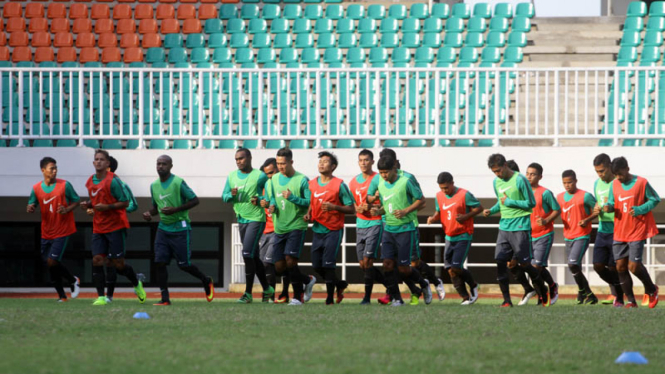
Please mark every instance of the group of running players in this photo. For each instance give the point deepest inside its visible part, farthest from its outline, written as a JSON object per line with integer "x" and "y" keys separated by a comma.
{"x": 275, "y": 205}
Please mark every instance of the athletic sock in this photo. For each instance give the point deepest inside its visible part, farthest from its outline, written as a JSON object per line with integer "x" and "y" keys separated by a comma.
{"x": 163, "y": 281}
{"x": 250, "y": 272}
{"x": 468, "y": 278}
{"x": 427, "y": 272}
{"x": 128, "y": 271}
{"x": 331, "y": 281}
{"x": 642, "y": 274}
{"x": 580, "y": 279}
{"x": 502, "y": 278}
{"x": 296, "y": 282}
{"x": 606, "y": 275}
{"x": 411, "y": 283}
{"x": 458, "y": 282}
{"x": 65, "y": 273}
{"x": 98, "y": 279}
{"x": 195, "y": 272}
{"x": 286, "y": 282}
{"x": 547, "y": 276}
{"x": 369, "y": 284}
{"x": 627, "y": 285}
{"x": 520, "y": 276}
{"x": 537, "y": 280}
{"x": 261, "y": 273}
{"x": 377, "y": 275}
{"x": 615, "y": 286}
{"x": 391, "y": 285}
{"x": 418, "y": 278}
{"x": 56, "y": 278}
{"x": 111, "y": 279}
{"x": 271, "y": 277}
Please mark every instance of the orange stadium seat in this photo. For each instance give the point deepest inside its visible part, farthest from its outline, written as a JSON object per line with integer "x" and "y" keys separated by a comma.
{"x": 151, "y": 40}
{"x": 107, "y": 40}
{"x": 231, "y": 1}
{"x": 207, "y": 11}
{"x": 170, "y": 26}
{"x": 165, "y": 11}
{"x": 77, "y": 11}
{"x": 2, "y": 24}
{"x": 134, "y": 54}
{"x": 59, "y": 25}
{"x": 66, "y": 54}
{"x": 3, "y": 38}
{"x": 210, "y": 1}
{"x": 147, "y": 1}
{"x": 19, "y": 39}
{"x": 126, "y": 1}
{"x": 103, "y": 26}
{"x": 38, "y": 24}
{"x": 41, "y": 39}
{"x": 21, "y": 54}
{"x": 186, "y": 11}
{"x": 4, "y": 54}
{"x": 34, "y": 10}
{"x": 82, "y": 25}
{"x": 122, "y": 11}
{"x": 15, "y": 24}
{"x": 191, "y": 26}
{"x": 111, "y": 54}
{"x": 188, "y": 1}
{"x": 168, "y": 1}
{"x": 43, "y": 54}
{"x": 88, "y": 55}
{"x": 129, "y": 40}
{"x": 63, "y": 39}
{"x": 12, "y": 9}
{"x": 143, "y": 11}
{"x": 100, "y": 11}
{"x": 56, "y": 10}
{"x": 85, "y": 39}
{"x": 126, "y": 26}
{"x": 148, "y": 26}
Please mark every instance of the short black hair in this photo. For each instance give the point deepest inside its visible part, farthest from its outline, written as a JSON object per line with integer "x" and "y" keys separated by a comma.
{"x": 569, "y": 174}
{"x": 285, "y": 152}
{"x": 496, "y": 159}
{"x": 45, "y": 161}
{"x": 113, "y": 164}
{"x": 512, "y": 165}
{"x": 386, "y": 163}
{"x": 444, "y": 177}
{"x": 332, "y": 157}
{"x": 248, "y": 154}
{"x": 105, "y": 153}
{"x": 537, "y": 166}
{"x": 602, "y": 159}
{"x": 269, "y": 161}
{"x": 388, "y": 152}
{"x": 366, "y": 152}
{"x": 619, "y": 163}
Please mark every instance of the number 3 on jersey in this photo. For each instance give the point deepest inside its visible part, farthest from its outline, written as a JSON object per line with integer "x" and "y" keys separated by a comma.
{"x": 283, "y": 205}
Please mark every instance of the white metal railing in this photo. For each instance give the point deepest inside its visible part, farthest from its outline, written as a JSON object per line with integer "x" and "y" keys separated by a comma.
{"x": 423, "y": 106}
{"x": 238, "y": 266}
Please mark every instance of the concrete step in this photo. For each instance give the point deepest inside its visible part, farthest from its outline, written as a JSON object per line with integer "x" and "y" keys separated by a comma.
{"x": 565, "y": 57}
{"x": 568, "y": 49}
{"x": 556, "y": 63}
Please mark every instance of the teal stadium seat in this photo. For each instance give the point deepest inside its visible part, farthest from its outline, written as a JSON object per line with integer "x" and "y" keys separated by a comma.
{"x": 217, "y": 41}
{"x": 474, "y": 39}
{"x": 516, "y": 39}
{"x": 432, "y": 25}
{"x": 270, "y": 12}
{"x": 323, "y": 25}
{"x": 432, "y": 40}
{"x": 355, "y": 12}
{"x": 453, "y": 39}
{"x": 345, "y": 26}
{"x": 524, "y": 24}
{"x": 419, "y": 11}
{"x": 462, "y": 10}
{"x": 477, "y": 24}
{"x": 368, "y": 40}
{"x": 195, "y": 41}
{"x": 397, "y": 11}
{"x": 257, "y": 26}
{"x": 651, "y": 38}
{"x": 440, "y": 10}
{"x": 410, "y": 25}
{"x": 235, "y": 26}
{"x": 376, "y": 11}
{"x": 302, "y": 41}
{"x": 499, "y": 24}
{"x": 213, "y": 26}
{"x": 262, "y": 40}
{"x": 239, "y": 41}
{"x": 389, "y": 25}
{"x": 326, "y": 41}
{"x": 454, "y": 24}
{"x": 302, "y": 25}
{"x": 347, "y": 41}
{"x": 527, "y": 10}
{"x": 389, "y": 40}
{"x": 228, "y": 11}
{"x": 503, "y": 10}
{"x": 367, "y": 25}
{"x": 292, "y": 11}
{"x": 483, "y": 10}
{"x": 173, "y": 41}
{"x": 286, "y": 41}
{"x": 633, "y": 24}
{"x": 334, "y": 12}
{"x": 657, "y": 9}
{"x": 313, "y": 12}
{"x": 249, "y": 11}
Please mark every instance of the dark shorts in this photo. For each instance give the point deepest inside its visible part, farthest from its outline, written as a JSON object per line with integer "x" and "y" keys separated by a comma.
{"x": 602, "y": 249}
{"x": 54, "y": 248}
{"x": 513, "y": 244}
{"x": 368, "y": 241}
{"x": 575, "y": 251}
{"x": 632, "y": 250}
{"x": 250, "y": 234}
{"x": 288, "y": 244}
{"x": 173, "y": 244}
{"x": 456, "y": 253}
{"x": 265, "y": 247}
{"x": 398, "y": 246}
{"x": 541, "y": 250}
{"x": 110, "y": 244}
{"x": 325, "y": 248}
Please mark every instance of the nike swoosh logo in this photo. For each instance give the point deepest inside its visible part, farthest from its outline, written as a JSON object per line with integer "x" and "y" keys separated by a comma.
{"x": 625, "y": 198}
{"x": 505, "y": 189}
{"x": 94, "y": 193}
{"x": 388, "y": 197}
{"x": 320, "y": 194}
{"x": 163, "y": 197}
{"x": 569, "y": 208}
{"x": 603, "y": 192}
{"x": 49, "y": 200}
{"x": 363, "y": 188}
{"x": 448, "y": 206}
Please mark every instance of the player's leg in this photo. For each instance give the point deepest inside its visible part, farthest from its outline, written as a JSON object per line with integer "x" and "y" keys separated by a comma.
{"x": 50, "y": 258}
{"x": 521, "y": 243}
{"x": 636, "y": 250}
{"x": 100, "y": 246}
{"x": 368, "y": 249}
{"x": 117, "y": 256}
{"x": 292, "y": 252}
{"x": 503, "y": 253}
{"x": 264, "y": 243}
{"x": 162, "y": 259}
{"x": 605, "y": 267}
{"x": 111, "y": 279}
{"x": 180, "y": 245}
{"x": 389, "y": 255}
{"x": 576, "y": 250}
{"x": 317, "y": 249}
{"x": 427, "y": 271}
{"x": 541, "y": 254}
{"x": 620, "y": 251}
{"x": 248, "y": 259}
{"x": 333, "y": 241}
{"x": 454, "y": 268}
{"x": 277, "y": 265}
{"x": 411, "y": 276}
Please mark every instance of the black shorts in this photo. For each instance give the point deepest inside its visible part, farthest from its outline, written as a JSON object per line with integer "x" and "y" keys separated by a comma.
{"x": 368, "y": 241}
{"x": 173, "y": 244}
{"x": 250, "y": 234}
{"x": 602, "y": 249}
{"x": 513, "y": 244}
{"x": 54, "y": 248}
{"x": 288, "y": 244}
{"x": 110, "y": 244}
{"x": 325, "y": 248}
{"x": 456, "y": 253}
{"x": 399, "y": 246}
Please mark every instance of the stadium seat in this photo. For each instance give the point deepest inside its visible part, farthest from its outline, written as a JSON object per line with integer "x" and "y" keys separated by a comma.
{"x": 474, "y": 39}
{"x": 657, "y": 9}
{"x": 326, "y": 41}
{"x": 44, "y": 54}
{"x": 524, "y": 24}
{"x": 103, "y": 26}
{"x": 483, "y": 10}
{"x": 453, "y": 39}
{"x": 355, "y": 11}
{"x": 651, "y": 38}
{"x": 292, "y": 11}
{"x": 97, "y": 11}
{"x": 122, "y": 11}
{"x": 66, "y": 54}
{"x": 347, "y": 41}
{"x": 367, "y": 25}
{"x": 368, "y": 40}
{"x": 77, "y": 11}
{"x": 376, "y": 11}
{"x": 323, "y": 25}
{"x": 528, "y": 10}
{"x": 170, "y": 26}
{"x": 313, "y": 12}
{"x": 19, "y": 39}
{"x": 82, "y": 25}
{"x": 239, "y": 41}
{"x": 13, "y": 9}
{"x": 21, "y": 54}
{"x": 397, "y": 11}
{"x": 301, "y": 25}
{"x": 191, "y": 26}
{"x": 286, "y": 41}
{"x": 515, "y": 39}
{"x": 249, "y": 11}
{"x": 334, "y": 12}
{"x": 107, "y": 40}
{"x": 440, "y": 11}
{"x": 126, "y": 26}
{"x": 477, "y": 24}
{"x": 634, "y": 24}
{"x": 503, "y": 10}
{"x": 454, "y": 24}
{"x": 389, "y": 25}
{"x": 462, "y": 10}
{"x": 432, "y": 40}
{"x": 37, "y": 25}
{"x": 15, "y": 24}
{"x": 59, "y": 25}
{"x": 143, "y": 11}
{"x": 148, "y": 26}
{"x": 129, "y": 41}
{"x": 39, "y": 39}
{"x": 501, "y": 24}
{"x": 257, "y": 26}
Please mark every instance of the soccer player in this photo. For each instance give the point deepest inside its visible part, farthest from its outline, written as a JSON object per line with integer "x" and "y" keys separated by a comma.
{"x": 632, "y": 200}
{"x": 242, "y": 189}
{"x": 269, "y": 167}
{"x": 577, "y": 212}
{"x": 542, "y": 227}
{"x": 107, "y": 205}
{"x": 401, "y": 199}
{"x": 603, "y": 258}
{"x": 455, "y": 209}
{"x": 516, "y": 201}
{"x": 289, "y": 196}
{"x": 56, "y": 199}
{"x": 331, "y": 200}
{"x": 369, "y": 229}
{"x": 172, "y": 199}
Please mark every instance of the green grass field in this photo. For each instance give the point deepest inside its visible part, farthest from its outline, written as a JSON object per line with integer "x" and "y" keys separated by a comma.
{"x": 41, "y": 336}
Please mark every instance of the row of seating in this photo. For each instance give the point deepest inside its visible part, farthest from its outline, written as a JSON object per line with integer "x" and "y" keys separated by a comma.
{"x": 103, "y": 11}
